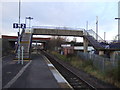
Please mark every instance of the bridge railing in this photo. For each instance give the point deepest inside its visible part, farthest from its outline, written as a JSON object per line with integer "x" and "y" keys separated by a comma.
{"x": 116, "y": 38}
{"x": 58, "y": 28}
{"x": 28, "y": 30}
{"x": 95, "y": 35}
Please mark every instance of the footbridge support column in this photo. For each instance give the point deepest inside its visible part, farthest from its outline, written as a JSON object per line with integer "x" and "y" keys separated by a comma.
{"x": 101, "y": 53}
{"x": 112, "y": 54}
{"x": 85, "y": 42}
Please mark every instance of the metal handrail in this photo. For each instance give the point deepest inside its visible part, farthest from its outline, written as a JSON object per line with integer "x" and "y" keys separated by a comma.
{"x": 116, "y": 38}
{"x": 60, "y": 27}
{"x": 94, "y": 35}
{"x": 30, "y": 45}
{"x": 20, "y": 40}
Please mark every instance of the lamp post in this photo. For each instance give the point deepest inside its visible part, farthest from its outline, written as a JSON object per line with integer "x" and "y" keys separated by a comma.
{"x": 118, "y": 28}
{"x": 19, "y": 32}
{"x": 30, "y": 18}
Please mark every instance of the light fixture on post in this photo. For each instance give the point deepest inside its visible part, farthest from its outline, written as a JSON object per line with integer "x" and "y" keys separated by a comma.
{"x": 30, "y": 18}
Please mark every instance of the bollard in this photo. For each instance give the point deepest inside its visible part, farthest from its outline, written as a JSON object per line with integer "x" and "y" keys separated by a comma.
{"x": 22, "y": 55}
{"x": 18, "y": 54}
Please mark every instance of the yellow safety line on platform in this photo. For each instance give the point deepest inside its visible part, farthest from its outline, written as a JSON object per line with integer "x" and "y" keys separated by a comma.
{"x": 28, "y": 32}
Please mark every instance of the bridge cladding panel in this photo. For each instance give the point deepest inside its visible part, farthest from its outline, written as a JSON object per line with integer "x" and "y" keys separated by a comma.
{"x": 59, "y": 32}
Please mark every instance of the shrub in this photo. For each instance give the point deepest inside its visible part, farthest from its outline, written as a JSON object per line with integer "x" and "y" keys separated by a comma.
{"x": 88, "y": 63}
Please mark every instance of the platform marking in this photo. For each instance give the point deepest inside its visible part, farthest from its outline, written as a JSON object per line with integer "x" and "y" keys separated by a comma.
{"x": 17, "y": 76}
{"x": 21, "y": 60}
{"x": 57, "y": 76}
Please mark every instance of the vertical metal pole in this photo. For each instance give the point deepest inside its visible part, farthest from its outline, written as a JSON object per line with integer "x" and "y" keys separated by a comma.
{"x": 96, "y": 27}
{"x": 19, "y": 14}
{"x": 18, "y": 49}
{"x": 29, "y": 23}
{"x": 119, "y": 20}
{"x": 26, "y": 22}
{"x": 118, "y": 29}
{"x": 103, "y": 69}
{"x": 104, "y": 35}
{"x": 36, "y": 47}
{"x": 22, "y": 54}
{"x": 87, "y": 25}
{"x": 19, "y": 35}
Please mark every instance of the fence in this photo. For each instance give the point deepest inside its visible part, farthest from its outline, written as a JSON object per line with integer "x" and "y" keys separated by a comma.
{"x": 101, "y": 63}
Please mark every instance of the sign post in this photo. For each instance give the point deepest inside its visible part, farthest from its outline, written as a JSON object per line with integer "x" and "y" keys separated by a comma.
{"x": 16, "y": 25}
{"x": 19, "y": 25}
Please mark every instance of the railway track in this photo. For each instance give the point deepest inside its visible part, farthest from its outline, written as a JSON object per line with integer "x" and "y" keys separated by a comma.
{"x": 75, "y": 81}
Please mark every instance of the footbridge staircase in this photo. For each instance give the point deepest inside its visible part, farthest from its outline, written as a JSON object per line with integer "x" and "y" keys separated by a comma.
{"x": 98, "y": 43}
{"x": 25, "y": 42}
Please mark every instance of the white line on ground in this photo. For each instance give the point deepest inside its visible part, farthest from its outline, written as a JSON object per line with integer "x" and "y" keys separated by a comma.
{"x": 50, "y": 64}
{"x": 17, "y": 76}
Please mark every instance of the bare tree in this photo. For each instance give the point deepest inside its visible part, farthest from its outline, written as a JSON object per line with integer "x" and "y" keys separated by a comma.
{"x": 55, "y": 42}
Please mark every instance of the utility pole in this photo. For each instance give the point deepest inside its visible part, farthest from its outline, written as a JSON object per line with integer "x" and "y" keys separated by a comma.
{"x": 96, "y": 27}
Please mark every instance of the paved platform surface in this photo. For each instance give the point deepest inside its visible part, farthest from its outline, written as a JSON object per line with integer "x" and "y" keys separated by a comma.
{"x": 36, "y": 75}
{"x": 9, "y": 68}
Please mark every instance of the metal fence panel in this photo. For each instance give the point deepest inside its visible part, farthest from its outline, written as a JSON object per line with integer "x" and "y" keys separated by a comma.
{"x": 99, "y": 62}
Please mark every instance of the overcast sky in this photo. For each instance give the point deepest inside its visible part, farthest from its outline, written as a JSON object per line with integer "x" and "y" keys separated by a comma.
{"x": 70, "y": 14}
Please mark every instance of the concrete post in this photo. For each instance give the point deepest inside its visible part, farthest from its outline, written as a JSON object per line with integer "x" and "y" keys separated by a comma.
{"x": 22, "y": 54}
{"x": 45, "y": 45}
{"x": 36, "y": 48}
{"x": 85, "y": 42}
{"x": 101, "y": 53}
{"x": 112, "y": 55}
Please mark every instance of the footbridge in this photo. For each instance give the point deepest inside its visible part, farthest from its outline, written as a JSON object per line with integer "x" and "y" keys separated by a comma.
{"x": 58, "y": 31}
{"x": 88, "y": 37}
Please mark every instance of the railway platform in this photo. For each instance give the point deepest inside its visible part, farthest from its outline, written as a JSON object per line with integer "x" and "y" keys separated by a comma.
{"x": 38, "y": 75}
